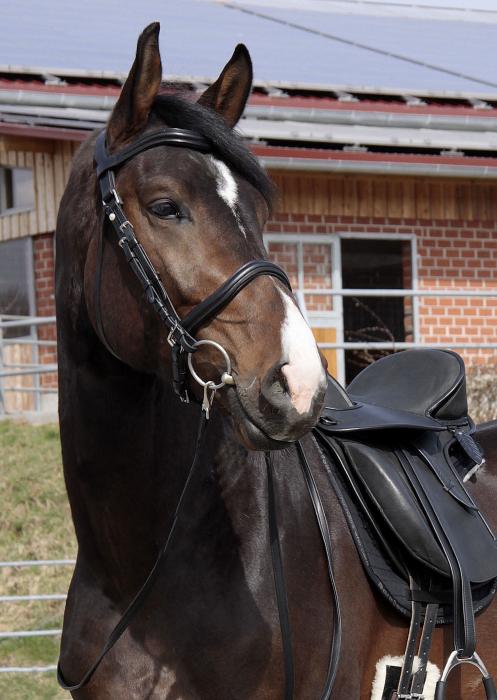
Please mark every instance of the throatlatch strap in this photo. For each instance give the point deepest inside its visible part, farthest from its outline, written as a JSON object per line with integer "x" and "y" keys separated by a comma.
{"x": 142, "y": 594}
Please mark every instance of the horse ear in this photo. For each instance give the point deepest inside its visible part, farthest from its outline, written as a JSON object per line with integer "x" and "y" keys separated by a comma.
{"x": 132, "y": 109}
{"x": 229, "y": 94}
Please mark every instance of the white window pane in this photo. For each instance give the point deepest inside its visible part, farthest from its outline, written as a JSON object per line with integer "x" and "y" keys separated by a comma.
{"x": 22, "y": 188}
{"x": 15, "y": 282}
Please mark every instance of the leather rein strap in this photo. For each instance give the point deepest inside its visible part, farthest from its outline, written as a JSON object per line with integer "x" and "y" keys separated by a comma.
{"x": 180, "y": 336}
{"x": 142, "y": 594}
{"x": 279, "y": 577}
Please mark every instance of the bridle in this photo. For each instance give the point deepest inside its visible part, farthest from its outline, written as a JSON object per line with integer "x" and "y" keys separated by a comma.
{"x": 183, "y": 345}
{"x": 180, "y": 331}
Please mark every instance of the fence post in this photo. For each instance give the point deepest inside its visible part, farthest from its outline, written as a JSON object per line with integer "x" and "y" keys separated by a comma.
{"x": 2, "y": 398}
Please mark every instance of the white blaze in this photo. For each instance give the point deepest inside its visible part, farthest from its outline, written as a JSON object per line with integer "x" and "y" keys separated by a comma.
{"x": 227, "y": 189}
{"x": 303, "y": 372}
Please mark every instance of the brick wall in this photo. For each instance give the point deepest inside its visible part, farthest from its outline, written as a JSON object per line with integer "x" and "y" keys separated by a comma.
{"x": 453, "y": 254}
{"x": 44, "y": 267}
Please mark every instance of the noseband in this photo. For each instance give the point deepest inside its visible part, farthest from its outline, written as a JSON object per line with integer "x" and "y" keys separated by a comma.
{"x": 180, "y": 336}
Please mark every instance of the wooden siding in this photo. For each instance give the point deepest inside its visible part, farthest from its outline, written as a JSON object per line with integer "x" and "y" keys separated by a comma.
{"x": 50, "y": 162}
{"x": 328, "y": 335}
{"x": 17, "y": 401}
{"x": 385, "y": 197}
{"x": 379, "y": 197}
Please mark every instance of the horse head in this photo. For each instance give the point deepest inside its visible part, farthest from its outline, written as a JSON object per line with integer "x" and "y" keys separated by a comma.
{"x": 199, "y": 216}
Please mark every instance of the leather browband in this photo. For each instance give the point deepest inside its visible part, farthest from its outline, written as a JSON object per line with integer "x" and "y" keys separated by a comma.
{"x": 164, "y": 137}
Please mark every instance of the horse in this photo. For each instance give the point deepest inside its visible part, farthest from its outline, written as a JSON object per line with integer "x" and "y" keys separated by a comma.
{"x": 209, "y": 627}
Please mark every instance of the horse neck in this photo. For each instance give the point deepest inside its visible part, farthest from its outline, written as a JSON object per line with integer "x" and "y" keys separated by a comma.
{"x": 127, "y": 446}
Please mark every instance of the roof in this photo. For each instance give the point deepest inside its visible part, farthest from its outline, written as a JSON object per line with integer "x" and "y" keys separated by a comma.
{"x": 289, "y": 123}
{"x": 306, "y": 132}
{"x": 396, "y": 46}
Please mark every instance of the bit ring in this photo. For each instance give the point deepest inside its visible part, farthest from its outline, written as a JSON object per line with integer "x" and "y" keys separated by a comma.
{"x": 226, "y": 377}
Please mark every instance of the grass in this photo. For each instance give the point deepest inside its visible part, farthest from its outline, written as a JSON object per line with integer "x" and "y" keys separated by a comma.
{"x": 35, "y": 523}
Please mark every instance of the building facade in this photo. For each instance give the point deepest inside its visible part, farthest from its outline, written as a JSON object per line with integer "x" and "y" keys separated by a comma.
{"x": 379, "y": 199}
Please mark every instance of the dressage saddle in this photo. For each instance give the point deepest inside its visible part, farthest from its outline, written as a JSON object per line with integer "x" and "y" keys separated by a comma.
{"x": 400, "y": 451}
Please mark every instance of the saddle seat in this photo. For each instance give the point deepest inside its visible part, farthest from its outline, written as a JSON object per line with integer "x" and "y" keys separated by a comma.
{"x": 418, "y": 389}
{"x": 399, "y": 445}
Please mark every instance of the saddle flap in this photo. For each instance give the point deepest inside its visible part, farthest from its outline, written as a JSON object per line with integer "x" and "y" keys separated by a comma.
{"x": 434, "y": 449}
{"x": 381, "y": 476}
{"x": 471, "y": 539}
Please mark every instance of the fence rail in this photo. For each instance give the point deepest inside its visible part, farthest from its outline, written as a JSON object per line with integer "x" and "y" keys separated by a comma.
{"x": 23, "y": 634}
{"x": 23, "y": 357}
{"x": 37, "y": 369}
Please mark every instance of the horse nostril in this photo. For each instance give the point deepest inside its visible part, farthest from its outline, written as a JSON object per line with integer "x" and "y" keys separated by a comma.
{"x": 282, "y": 380}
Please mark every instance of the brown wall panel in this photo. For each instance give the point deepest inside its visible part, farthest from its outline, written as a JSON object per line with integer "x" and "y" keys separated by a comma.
{"x": 386, "y": 197}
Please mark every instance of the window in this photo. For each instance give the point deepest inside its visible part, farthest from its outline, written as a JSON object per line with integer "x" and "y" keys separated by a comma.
{"x": 369, "y": 263}
{"x": 16, "y": 281}
{"x": 16, "y": 190}
{"x": 321, "y": 266}
{"x": 312, "y": 263}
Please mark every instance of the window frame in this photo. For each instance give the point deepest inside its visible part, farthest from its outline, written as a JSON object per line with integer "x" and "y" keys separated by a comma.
{"x": 15, "y": 210}
{"x": 320, "y": 319}
{"x": 30, "y": 272}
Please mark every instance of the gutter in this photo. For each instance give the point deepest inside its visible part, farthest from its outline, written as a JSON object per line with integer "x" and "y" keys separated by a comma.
{"x": 290, "y": 163}
{"x": 297, "y": 114}
{"x": 380, "y": 118}
{"x": 316, "y": 165}
{"x": 206, "y": 80}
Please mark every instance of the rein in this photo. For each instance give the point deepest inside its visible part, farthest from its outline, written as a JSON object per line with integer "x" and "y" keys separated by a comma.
{"x": 183, "y": 345}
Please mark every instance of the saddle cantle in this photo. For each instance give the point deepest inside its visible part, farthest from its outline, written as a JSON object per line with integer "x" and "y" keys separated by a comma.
{"x": 399, "y": 445}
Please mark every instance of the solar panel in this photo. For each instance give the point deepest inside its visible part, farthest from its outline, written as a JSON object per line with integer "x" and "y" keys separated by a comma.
{"x": 288, "y": 46}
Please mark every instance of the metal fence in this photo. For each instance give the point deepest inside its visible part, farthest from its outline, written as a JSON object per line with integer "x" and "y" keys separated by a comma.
{"x": 20, "y": 333}
{"x": 19, "y": 634}
{"x": 36, "y": 368}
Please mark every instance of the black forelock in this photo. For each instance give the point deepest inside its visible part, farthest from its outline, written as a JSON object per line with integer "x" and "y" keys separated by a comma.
{"x": 227, "y": 144}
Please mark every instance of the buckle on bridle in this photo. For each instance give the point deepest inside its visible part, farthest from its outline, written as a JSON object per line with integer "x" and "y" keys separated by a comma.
{"x": 170, "y": 339}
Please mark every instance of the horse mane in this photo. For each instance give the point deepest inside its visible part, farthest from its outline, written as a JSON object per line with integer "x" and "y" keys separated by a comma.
{"x": 227, "y": 144}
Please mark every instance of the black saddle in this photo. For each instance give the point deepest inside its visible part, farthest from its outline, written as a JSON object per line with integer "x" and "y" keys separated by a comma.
{"x": 400, "y": 447}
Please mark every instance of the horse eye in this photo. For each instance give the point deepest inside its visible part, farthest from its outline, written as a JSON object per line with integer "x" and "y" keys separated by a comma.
{"x": 165, "y": 209}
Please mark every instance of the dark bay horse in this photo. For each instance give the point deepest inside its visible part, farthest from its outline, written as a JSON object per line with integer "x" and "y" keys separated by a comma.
{"x": 209, "y": 628}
